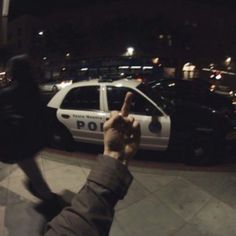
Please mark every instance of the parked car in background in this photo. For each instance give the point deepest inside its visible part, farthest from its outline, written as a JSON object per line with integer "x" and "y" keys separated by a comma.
{"x": 184, "y": 92}
{"x": 54, "y": 86}
{"x": 225, "y": 91}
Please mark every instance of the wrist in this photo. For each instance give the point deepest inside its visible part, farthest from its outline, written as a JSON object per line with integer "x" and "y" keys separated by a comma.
{"x": 116, "y": 155}
{"x": 113, "y": 154}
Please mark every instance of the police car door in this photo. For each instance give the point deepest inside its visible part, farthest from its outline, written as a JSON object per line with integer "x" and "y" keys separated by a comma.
{"x": 80, "y": 113}
{"x": 155, "y": 125}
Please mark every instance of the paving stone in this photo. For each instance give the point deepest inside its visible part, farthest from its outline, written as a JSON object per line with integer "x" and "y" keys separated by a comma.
{"x": 5, "y": 170}
{"x": 3, "y": 230}
{"x": 62, "y": 157}
{"x": 116, "y": 229}
{"x": 136, "y": 193}
{"x": 149, "y": 217}
{"x": 192, "y": 230}
{"x": 23, "y": 219}
{"x": 216, "y": 218}
{"x": 50, "y": 165}
{"x": 86, "y": 171}
{"x": 16, "y": 185}
{"x": 3, "y": 196}
{"x": 153, "y": 182}
{"x": 183, "y": 198}
{"x": 67, "y": 177}
{"x": 15, "y": 198}
{"x": 211, "y": 182}
{"x": 228, "y": 193}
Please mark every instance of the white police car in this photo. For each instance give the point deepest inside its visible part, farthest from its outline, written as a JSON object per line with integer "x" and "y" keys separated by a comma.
{"x": 77, "y": 113}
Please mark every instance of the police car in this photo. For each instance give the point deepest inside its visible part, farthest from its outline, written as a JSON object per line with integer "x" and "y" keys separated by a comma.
{"x": 77, "y": 113}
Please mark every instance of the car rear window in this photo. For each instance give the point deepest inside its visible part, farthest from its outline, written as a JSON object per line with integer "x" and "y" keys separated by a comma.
{"x": 82, "y": 98}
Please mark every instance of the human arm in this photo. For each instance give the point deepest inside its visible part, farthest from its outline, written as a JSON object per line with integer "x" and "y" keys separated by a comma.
{"x": 92, "y": 210}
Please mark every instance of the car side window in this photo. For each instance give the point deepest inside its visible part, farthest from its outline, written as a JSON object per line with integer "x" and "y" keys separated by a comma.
{"x": 82, "y": 98}
{"x": 140, "y": 105}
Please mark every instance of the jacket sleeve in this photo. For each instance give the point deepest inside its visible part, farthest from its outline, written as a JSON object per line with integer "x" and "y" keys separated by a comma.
{"x": 91, "y": 212}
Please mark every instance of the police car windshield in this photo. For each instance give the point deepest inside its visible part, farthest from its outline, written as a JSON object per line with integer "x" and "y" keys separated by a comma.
{"x": 150, "y": 90}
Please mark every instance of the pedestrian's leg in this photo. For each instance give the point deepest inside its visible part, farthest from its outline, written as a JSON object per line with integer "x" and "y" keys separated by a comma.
{"x": 31, "y": 169}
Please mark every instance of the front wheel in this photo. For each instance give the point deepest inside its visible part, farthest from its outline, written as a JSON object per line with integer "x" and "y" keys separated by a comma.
{"x": 204, "y": 149}
{"x": 60, "y": 138}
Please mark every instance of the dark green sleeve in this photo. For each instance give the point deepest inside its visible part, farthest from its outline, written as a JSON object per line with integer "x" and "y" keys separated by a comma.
{"x": 91, "y": 212}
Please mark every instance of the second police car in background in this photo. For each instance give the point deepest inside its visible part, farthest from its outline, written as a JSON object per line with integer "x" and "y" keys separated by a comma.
{"x": 197, "y": 133}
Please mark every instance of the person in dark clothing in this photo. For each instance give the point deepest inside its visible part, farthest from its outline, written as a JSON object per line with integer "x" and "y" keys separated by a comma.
{"x": 92, "y": 210}
{"x": 21, "y": 123}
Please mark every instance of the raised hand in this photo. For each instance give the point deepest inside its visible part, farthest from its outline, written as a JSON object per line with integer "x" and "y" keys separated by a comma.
{"x": 122, "y": 133}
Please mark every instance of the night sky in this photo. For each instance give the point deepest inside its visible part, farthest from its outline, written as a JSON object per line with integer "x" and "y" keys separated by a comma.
{"x": 197, "y": 28}
{"x": 44, "y": 7}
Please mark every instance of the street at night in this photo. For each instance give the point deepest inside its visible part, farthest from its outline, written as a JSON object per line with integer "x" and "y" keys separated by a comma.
{"x": 117, "y": 118}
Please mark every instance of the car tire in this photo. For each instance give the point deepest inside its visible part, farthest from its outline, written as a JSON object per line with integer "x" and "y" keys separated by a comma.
{"x": 204, "y": 149}
{"x": 60, "y": 138}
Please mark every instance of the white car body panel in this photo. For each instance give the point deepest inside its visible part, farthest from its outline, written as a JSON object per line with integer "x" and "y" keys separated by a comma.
{"x": 89, "y": 118}
{"x": 80, "y": 122}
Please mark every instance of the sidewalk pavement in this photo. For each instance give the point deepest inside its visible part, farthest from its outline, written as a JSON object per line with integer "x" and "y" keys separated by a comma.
{"x": 170, "y": 200}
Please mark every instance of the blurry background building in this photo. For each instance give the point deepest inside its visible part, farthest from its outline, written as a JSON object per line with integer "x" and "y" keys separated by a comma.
{"x": 23, "y": 35}
{"x": 180, "y": 31}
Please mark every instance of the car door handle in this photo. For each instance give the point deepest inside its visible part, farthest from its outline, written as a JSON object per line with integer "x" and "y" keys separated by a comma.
{"x": 65, "y": 116}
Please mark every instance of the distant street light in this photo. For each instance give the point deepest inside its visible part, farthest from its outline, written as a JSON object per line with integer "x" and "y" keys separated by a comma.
{"x": 129, "y": 52}
{"x": 41, "y": 33}
{"x": 67, "y": 54}
{"x": 228, "y": 61}
{"x": 155, "y": 60}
